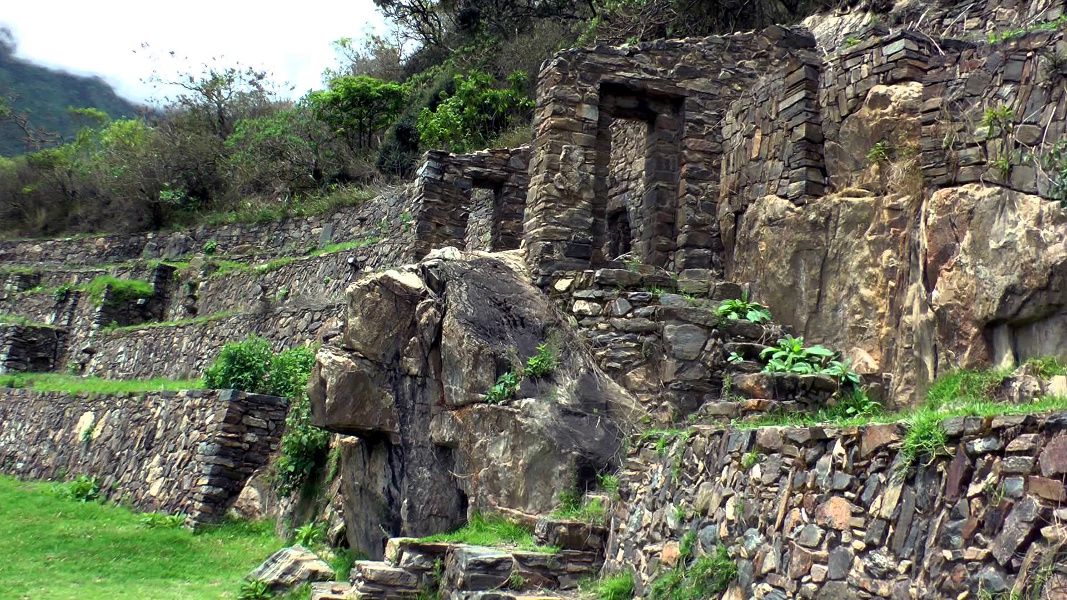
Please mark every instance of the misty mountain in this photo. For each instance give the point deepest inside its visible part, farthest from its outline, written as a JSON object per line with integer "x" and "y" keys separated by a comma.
{"x": 45, "y": 94}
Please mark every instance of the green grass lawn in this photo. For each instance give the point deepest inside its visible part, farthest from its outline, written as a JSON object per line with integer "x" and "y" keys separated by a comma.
{"x": 58, "y": 548}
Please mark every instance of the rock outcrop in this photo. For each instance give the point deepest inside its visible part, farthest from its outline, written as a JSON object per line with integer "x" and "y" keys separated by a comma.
{"x": 421, "y": 348}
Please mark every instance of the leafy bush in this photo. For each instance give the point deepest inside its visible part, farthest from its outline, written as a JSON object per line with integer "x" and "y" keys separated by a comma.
{"x": 310, "y": 535}
{"x": 742, "y": 309}
{"x": 543, "y": 363}
{"x": 841, "y": 370}
{"x": 881, "y": 152}
{"x": 505, "y": 387}
{"x": 241, "y": 366}
{"x": 303, "y": 448}
{"x": 83, "y": 489}
{"x": 254, "y": 589}
{"x": 475, "y": 112}
{"x": 289, "y": 372}
{"x": 357, "y": 107}
{"x": 210, "y": 247}
{"x": 792, "y": 356}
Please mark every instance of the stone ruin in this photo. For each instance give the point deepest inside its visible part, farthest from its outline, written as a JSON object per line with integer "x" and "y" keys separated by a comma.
{"x": 844, "y": 173}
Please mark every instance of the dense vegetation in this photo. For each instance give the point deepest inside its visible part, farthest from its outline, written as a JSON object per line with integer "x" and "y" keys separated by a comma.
{"x": 57, "y": 545}
{"x": 458, "y": 76}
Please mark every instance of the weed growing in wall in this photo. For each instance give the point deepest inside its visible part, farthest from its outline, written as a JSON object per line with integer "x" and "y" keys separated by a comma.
{"x": 742, "y": 309}
{"x": 241, "y": 366}
{"x": 706, "y": 577}
{"x": 611, "y": 587}
{"x": 505, "y": 387}
{"x": 83, "y": 489}
{"x": 543, "y": 363}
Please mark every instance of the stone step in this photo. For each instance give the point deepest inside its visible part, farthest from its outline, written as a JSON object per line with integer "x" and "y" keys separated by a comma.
{"x": 375, "y": 580}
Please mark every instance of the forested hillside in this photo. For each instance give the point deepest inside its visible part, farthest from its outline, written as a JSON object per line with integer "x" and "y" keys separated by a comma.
{"x": 45, "y": 96}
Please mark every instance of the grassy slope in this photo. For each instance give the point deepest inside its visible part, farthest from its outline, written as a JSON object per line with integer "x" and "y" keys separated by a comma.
{"x": 56, "y": 548}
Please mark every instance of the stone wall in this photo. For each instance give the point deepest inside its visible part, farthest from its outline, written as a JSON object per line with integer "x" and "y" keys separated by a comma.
{"x": 681, "y": 90}
{"x": 185, "y": 452}
{"x": 30, "y": 348}
{"x": 266, "y": 240}
{"x": 834, "y": 513}
{"x": 481, "y": 192}
{"x": 309, "y": 280}
{"x": 185, "y": 350}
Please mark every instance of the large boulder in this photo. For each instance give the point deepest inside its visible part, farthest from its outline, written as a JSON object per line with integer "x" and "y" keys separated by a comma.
{"x": 971, "y": 277}
{"x": 421, "y": 348}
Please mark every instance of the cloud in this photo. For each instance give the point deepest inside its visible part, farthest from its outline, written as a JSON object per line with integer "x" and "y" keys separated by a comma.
{"x": 105, "y": 38}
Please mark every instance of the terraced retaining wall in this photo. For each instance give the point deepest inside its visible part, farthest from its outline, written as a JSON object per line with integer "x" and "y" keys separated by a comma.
{"x": 260, "y": 239}
{"x": 185, "y": 350}
{"x": 185, "y": 452}
{"x": 832, "y": 513}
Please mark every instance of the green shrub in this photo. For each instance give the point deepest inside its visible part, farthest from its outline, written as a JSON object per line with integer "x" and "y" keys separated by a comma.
{"x": 310, "y": 535}
{"x": 792, "y": 356}
{"x": 289, "y": 372}
{"x": 211, "y": 247}
{"x": 357, "y": 107}
{"x": 83, "y": 489}
{"x": 254, "y": 589}
{"x": 881, "y": 152}
{"x": 475, "y": 112}
{"x": 122, "y": 290}
{"x": 505, "y": 387}
{"x": 303, "y": 448}
{"x": 855, "y": 403}
{"x": 742, "y": 309}
{"x": 543, "y": 363}
{"x": 241, "y": 366}
{"x": 61, "y": 292}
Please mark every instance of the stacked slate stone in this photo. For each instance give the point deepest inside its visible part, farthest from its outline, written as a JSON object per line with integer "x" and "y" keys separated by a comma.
{"x": 823, "y": 512}
{"x": 448, "y": 211}
{"x": 30, "y": 347}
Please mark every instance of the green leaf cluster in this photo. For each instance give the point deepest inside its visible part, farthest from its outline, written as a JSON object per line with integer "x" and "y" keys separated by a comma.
{"x": 743, "y": 310}
{"x": 472, "y": 115}
{"x": 792, "y": 356}
{"x": 357, "y": 107}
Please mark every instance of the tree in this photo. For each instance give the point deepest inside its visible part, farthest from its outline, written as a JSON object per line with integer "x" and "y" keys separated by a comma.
{"x": 426, "y": 22}
{"x": 358, "y": 107}
{"x": 471, "y": 116}
{"x": 378, "y": 57}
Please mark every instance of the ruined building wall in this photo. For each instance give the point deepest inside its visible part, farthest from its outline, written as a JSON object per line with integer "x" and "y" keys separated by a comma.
{"x": 825, "y": 513}
{"x": 472, "y": 201}
{"x": 902, "y": 262}
{"x": 681, "y": 89}
{"x": 185, "y": 452}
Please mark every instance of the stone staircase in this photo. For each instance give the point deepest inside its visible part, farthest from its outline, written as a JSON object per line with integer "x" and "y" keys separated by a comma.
{"x": 414, "y": 569}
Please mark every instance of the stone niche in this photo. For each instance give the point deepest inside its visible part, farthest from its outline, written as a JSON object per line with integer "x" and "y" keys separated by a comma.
{"x": 472, "y": 201}
{"x": 628, "y": 146}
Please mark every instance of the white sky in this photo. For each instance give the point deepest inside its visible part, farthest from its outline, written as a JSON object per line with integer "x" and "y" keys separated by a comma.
{"x": 289, "y": 38}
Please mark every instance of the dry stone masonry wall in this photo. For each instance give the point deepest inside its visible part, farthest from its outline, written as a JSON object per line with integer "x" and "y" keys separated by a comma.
{"x": 836, "y": 513}
{"x": 473, "y": 201}
{"x": 175, "y": 452}
{"x": 680, "y": 89}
